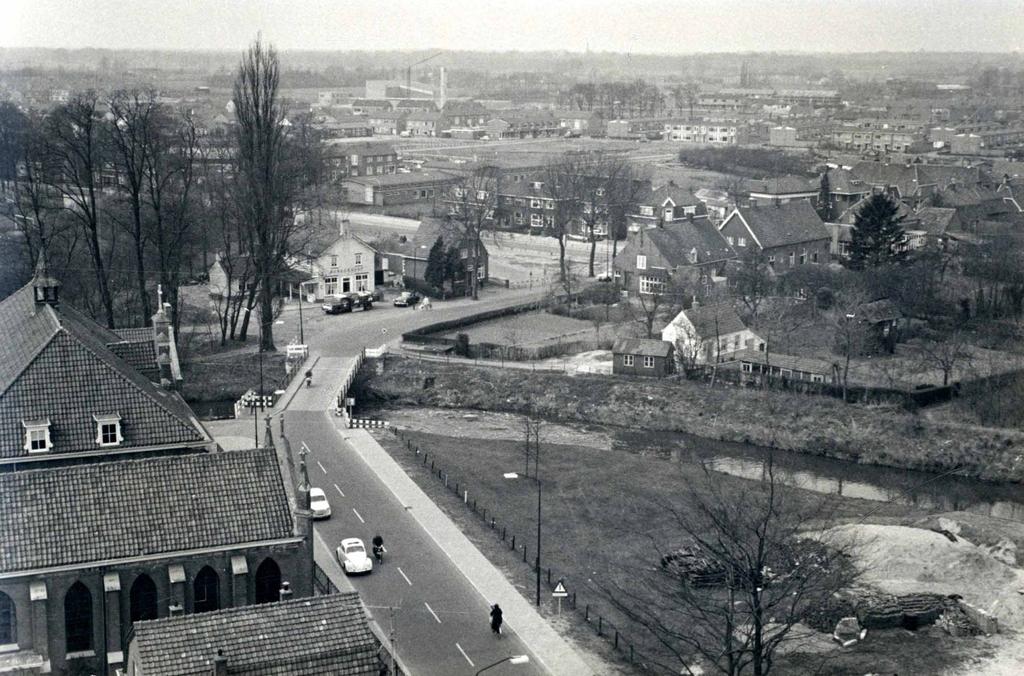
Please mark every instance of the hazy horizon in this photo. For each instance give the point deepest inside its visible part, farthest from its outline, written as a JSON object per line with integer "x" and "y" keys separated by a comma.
{"x": 648, "y": 27}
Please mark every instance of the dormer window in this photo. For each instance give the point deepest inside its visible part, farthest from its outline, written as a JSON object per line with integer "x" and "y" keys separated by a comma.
{"x": 37, "y": 435}
{"x": 646, "y": 211}
{"x": 108, "y": 429}
{"x": 668, "y": 213}
{"x": 693, "y": 256}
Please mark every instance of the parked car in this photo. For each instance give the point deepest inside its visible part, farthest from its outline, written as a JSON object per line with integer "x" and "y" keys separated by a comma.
{"x": 318, "y": 504}
{"x": 352, "y": 557}
{"x": 407, "y": 298}
{"x": 347, "y": 302}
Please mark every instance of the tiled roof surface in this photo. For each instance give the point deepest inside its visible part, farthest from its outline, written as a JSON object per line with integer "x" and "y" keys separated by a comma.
{"x": 714, "y": 320}
{"x": 642, "y": 346}
{"x": 782, "y": 185}
{"x": 676, "y": 240}
{"x": 317, "y": 635}
{"x": 935, "y": 220}
{"x": 70, "y": 376}
{"x": 784, "y": 224}
{"x": 109, "y": 510}
{"x": 135, "y": 334}
{"x": 140, "y": 355}
{"x": 785, "y": 361}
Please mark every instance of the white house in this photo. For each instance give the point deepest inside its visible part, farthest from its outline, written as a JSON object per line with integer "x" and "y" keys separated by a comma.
{"x": 709, "y": 333}
{"x": 347, "y": 264}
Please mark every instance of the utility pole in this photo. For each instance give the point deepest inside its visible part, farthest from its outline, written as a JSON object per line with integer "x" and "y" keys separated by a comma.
{"x": 391, "y": 637}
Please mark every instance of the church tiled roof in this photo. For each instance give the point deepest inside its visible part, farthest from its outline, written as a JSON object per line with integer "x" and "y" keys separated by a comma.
{"x": 318, "y": 635}
{"x": 57, "y": 364}
{"x": 112, "y": 510}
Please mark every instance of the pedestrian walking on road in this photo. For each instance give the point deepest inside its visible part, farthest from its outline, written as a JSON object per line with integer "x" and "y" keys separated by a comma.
{"x": 496, "y": 619}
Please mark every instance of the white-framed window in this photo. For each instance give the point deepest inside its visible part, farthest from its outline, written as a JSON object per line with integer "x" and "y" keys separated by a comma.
{"x": 741, "y": 241}
{"x": 537, "y": 185}
{"x": 771, "y": 260}
{"x": 792, "y": 258}
{"x": 747, "y": 367}
{"x": 693, "y": 256}
{"x": 668, "y": 213}
{"x": 814, "y": 257}
{"x": 646, "y": 211}
{"x": 549, "y": 204}
{"x": 518, "y": 217}
{"x": 648, "y": 362}
{"x": 627, "y": 360}
{"x": 481, "y": 194}
{"x": 362, "y": 282}
{"x": 536, "y": 220}
{"x": 330, "y": 286}
{"x": 359, "y": 259}
{"x": 803, "y": 258}
{"x": 549, "y": 221}
{"x": 108, "y": 429}
{"x": 37, "y": 435}
{"x": 536, "y": 204}
{"x": 641, "y": 262}
{"x": 816, "y": 378}
{"x": 651, "y": 285}
{"x": 730, "y": 240}
{"x": 334, "y": 261}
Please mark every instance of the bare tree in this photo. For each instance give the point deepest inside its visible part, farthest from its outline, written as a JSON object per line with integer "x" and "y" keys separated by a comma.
{"x": 753, "y": 281}
{"x": 129, "y": 134}
{"x": 851, "y": 334}
{"x": 564, "y": 179}
{"x": 946, "y": 353}
{"x": 743, "y": 572}
{"x": 75, "y": 148}
{"x": 267, "y": 176}
{"x": 473, "y": 203}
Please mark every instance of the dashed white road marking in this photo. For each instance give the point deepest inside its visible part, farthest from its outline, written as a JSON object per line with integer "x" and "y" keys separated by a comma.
{"x": 464, "y": 654}
{"x": 339, "y": 490}
{"x": 305, "y": 447}
{"x": 404, "y": 577}
{"x": 358, "y": 516}
{"x": 322, "y": 468}
{"x": 432, "y": 612}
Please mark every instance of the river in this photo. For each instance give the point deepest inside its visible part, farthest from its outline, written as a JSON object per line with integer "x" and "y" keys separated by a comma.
{"x": 925, "y": 490}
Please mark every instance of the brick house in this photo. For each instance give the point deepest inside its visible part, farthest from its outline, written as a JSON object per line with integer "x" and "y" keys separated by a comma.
{"x": 361, "y": 158}
{"x": 690, "y": 248}
{"x": 409, "y": 258}
{"x": 264, "y": 639}
{"x": 345, "y": 265}
{"x": 388, "y": 122}
{"x": 788, "y": 235}
{"x": 423, "y": 123}
{"x": 426, "y": 187}
{"x": 523, "y": 124}
{"x": 642, "y": 357}
{"x": 664, "y": 205}
{"x": 143, "y": 516}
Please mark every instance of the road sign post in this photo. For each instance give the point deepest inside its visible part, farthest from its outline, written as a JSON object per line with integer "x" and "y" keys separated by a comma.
{"x": 560, "y": 593}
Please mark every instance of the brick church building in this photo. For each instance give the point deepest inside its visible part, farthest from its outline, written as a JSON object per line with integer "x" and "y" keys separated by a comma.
{"x": 117, "y": 505}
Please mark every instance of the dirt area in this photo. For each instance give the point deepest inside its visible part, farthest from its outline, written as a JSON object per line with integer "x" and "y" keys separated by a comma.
{"x": 903, "y": 560}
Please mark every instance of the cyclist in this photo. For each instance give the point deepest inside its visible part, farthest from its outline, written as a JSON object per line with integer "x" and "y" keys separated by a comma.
{"x": 378, "y": 548}
{"x": 309, "y": 377}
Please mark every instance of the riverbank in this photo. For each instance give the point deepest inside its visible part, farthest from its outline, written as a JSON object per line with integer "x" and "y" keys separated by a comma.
{"x": 883, "y": 435}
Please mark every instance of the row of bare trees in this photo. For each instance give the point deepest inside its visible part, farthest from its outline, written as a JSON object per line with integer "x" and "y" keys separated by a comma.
{"x": 125, "y": 192}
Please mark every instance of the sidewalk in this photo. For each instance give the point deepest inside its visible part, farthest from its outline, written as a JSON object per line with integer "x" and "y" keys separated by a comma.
{"x": 551, "y": 650}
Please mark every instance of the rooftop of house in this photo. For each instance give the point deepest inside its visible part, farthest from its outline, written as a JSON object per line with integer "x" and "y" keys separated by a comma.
{"x": 677, "y": 240}
{"x": 319, "y": 634}
{"x": 401, "y": 179}
{"x": 79, "y": 514}
{"x": 935, "y": 220}
{"x": 849, "y": 215}
{"x": 431, "y": 228}
{"x": 785, "y": 361}
{"x": 783, "y": 224}
{"x": 782, "y": 185}
{"x": 679, "y": 195}
{"x": 647, "y": 347}
{"x": 48, "y": 345}
{"x": 880, "y": 310}
{"x": 714, "y": 320}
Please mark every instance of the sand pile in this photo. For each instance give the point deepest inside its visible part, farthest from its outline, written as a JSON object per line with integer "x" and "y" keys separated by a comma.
{"x": 904, "y": 560}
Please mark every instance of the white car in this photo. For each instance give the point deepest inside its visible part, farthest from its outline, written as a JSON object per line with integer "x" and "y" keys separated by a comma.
{"x": 353, "y": 558}
{"x": 318, "y": 503}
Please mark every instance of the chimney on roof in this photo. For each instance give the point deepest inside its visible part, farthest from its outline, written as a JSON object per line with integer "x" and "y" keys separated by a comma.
{"x": 343, "y": 226}
{"x": 163, "y": 340}
{"x": 220, "y": 663}
{"x": 286, "y": 591}
{"x": 45, "y": 288}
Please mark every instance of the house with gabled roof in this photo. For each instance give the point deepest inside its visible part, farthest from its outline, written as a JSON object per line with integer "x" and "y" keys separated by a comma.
{"x": 788, "y": 234}
{"x": 320, "y": 635}
{"x": 706, "y": 334}
{"x": 665, "y": 204}
{"x": 652, "y": 256}
{"x": 642, "y": 357}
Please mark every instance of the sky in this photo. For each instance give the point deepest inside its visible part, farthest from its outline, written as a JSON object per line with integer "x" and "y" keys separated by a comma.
{"x": 638, "y": 26}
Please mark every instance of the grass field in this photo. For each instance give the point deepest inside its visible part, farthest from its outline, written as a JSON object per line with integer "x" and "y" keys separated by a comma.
{"x": 527, "y": 328}
{"x": 601, "y": 514}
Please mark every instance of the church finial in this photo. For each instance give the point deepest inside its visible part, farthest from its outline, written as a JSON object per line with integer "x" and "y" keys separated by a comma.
{"x": 45, "y": 287}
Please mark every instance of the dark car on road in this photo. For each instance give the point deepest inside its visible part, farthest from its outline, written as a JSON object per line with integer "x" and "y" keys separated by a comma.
{"x": 407, "y": 298}
{"x": 347, "y": 302}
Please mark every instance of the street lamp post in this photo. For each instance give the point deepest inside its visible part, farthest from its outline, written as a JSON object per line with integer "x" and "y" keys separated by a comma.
{"x": 511, "y": 659}
{"x": 302, "y": 335}
{"x": 513, "y": 475}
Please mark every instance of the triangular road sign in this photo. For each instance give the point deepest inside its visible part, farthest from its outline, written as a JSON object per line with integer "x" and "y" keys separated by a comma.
{"x": 559, "y": 592}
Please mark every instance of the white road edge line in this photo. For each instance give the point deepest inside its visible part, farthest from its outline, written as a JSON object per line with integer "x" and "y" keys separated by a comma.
{"x": 339, "y": 490}
{"x": 404, "y": 577}
{"x": 322, "y": 469}
{"x": 434, "y": 614}
{"x": 358, "y": 516}
{"x": 304, "y": 446}
{"x": 464, "y": 654}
